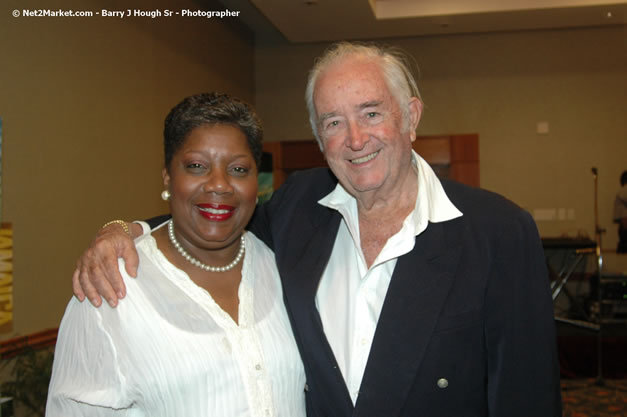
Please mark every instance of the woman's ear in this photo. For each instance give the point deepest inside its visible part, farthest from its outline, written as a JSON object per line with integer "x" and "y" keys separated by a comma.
{"x": 165, "y": 194}
{"x": 166, "y": 178}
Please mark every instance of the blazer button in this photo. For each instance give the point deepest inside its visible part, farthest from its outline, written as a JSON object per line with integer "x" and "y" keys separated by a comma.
{"x": 442, "y": 383}
{"x": 306, "y": 388}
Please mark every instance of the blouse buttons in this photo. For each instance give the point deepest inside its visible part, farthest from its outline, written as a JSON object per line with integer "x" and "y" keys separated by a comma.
{"x": 442, "y": 383}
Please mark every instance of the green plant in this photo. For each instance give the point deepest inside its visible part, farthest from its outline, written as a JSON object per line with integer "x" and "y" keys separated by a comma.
{"x": 31, "y": 372}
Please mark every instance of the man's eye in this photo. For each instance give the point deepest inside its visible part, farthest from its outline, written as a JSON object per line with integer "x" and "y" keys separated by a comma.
{"x": 333, "y": 124}
{"x": 372, "y": 114}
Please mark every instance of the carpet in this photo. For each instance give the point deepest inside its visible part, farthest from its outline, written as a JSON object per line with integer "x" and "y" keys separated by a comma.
{"x": 583, "y": 398}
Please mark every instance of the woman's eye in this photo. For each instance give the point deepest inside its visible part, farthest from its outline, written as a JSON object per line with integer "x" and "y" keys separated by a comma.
{"x": 195, "y": 166}
{"x": 240, "y": 170}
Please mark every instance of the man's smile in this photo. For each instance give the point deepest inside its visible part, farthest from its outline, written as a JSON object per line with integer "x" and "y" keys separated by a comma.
{"x": 364, "y": 159}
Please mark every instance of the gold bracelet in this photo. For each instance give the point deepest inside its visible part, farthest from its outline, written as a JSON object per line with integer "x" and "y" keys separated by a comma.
{"x": 120, "y": 222}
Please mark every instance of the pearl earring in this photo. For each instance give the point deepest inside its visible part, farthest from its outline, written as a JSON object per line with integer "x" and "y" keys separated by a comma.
{"x": 165, "y": 195}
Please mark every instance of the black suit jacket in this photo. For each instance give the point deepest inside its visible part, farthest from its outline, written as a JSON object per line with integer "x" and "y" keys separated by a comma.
{"x": 467, "y": 324}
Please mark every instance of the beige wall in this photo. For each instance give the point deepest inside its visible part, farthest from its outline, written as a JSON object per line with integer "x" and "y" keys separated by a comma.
{"x": 82, "y": 102}
{"x": 500, "y": 86}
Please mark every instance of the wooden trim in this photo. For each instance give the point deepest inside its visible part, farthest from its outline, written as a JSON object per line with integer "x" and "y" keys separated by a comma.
{"x": 465, "y": 148}
{"x": 277, "y": 162}
{"x": 434, "y": 149}
{"x": 291, "y": 155}
{"x": 18, "y": 345}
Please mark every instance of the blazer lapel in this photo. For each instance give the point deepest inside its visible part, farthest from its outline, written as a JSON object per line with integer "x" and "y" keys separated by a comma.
{"x": 419, "y": 286}
{"x": 308, "y": 259}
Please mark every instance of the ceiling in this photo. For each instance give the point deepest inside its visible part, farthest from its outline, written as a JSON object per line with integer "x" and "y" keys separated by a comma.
{"x": 331, "y": 20}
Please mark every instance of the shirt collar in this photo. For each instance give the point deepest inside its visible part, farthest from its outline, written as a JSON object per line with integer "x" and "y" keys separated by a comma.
{"x": 432, "y": 203}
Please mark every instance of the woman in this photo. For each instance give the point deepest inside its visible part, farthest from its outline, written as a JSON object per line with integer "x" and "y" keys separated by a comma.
{"x": 205, "y": 331}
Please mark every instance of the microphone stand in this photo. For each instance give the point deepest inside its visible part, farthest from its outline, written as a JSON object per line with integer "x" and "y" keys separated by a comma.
{"x": 598, "y": 231}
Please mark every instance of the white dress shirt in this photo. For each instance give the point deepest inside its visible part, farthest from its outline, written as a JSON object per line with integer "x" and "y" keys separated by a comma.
{"x": 350, "y": 295}
{"x": 169, "y": 350}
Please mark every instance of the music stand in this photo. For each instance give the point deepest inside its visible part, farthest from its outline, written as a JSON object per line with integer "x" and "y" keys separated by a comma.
{"x": 576, "y": 250}
{"x": 599, "y": 265}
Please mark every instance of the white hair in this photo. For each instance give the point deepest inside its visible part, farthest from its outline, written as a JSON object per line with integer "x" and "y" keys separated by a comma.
{"x": 396, "y": 71}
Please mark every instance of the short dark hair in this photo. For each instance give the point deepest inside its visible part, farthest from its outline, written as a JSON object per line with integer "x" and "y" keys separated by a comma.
{"x": 210, "y": 109}
{"x": 623, "y": 178}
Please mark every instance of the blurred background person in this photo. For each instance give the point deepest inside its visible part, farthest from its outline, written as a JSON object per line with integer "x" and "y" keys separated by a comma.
{"x": 620, "y": 214}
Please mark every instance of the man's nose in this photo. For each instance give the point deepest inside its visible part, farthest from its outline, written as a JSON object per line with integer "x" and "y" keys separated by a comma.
{"x": 357, "y": 136}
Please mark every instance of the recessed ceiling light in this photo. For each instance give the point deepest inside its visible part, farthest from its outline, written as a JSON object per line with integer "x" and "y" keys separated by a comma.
{"x": 609, "y": 15}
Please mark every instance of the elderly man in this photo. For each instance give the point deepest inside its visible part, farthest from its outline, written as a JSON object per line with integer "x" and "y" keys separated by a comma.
{"x": 408, "y": 296}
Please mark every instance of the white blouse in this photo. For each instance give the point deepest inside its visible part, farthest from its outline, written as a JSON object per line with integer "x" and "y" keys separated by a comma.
{"x": 169, "y": 350}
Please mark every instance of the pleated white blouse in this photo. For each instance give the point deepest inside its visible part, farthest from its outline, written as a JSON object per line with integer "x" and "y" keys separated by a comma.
{"x": 169, "y": 350}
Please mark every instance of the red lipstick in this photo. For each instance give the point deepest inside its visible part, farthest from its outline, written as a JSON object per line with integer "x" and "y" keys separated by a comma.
{"x": 216, "y": 212}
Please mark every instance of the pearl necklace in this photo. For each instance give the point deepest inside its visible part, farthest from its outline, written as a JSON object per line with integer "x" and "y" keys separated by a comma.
{"x": 196, "y": 262}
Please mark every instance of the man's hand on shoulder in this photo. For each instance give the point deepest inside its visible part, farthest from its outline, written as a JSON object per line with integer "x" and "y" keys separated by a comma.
{"x": 97, "y": 272}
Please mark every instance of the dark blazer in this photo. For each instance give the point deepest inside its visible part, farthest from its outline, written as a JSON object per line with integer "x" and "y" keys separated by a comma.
{"x": 467, "y": 324}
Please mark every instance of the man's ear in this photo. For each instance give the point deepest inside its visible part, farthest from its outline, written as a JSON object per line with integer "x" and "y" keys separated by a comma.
{"x": 415, "y": 112}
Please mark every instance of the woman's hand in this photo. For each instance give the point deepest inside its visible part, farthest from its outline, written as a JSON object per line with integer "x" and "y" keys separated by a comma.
{"x": 97, "y": 273}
